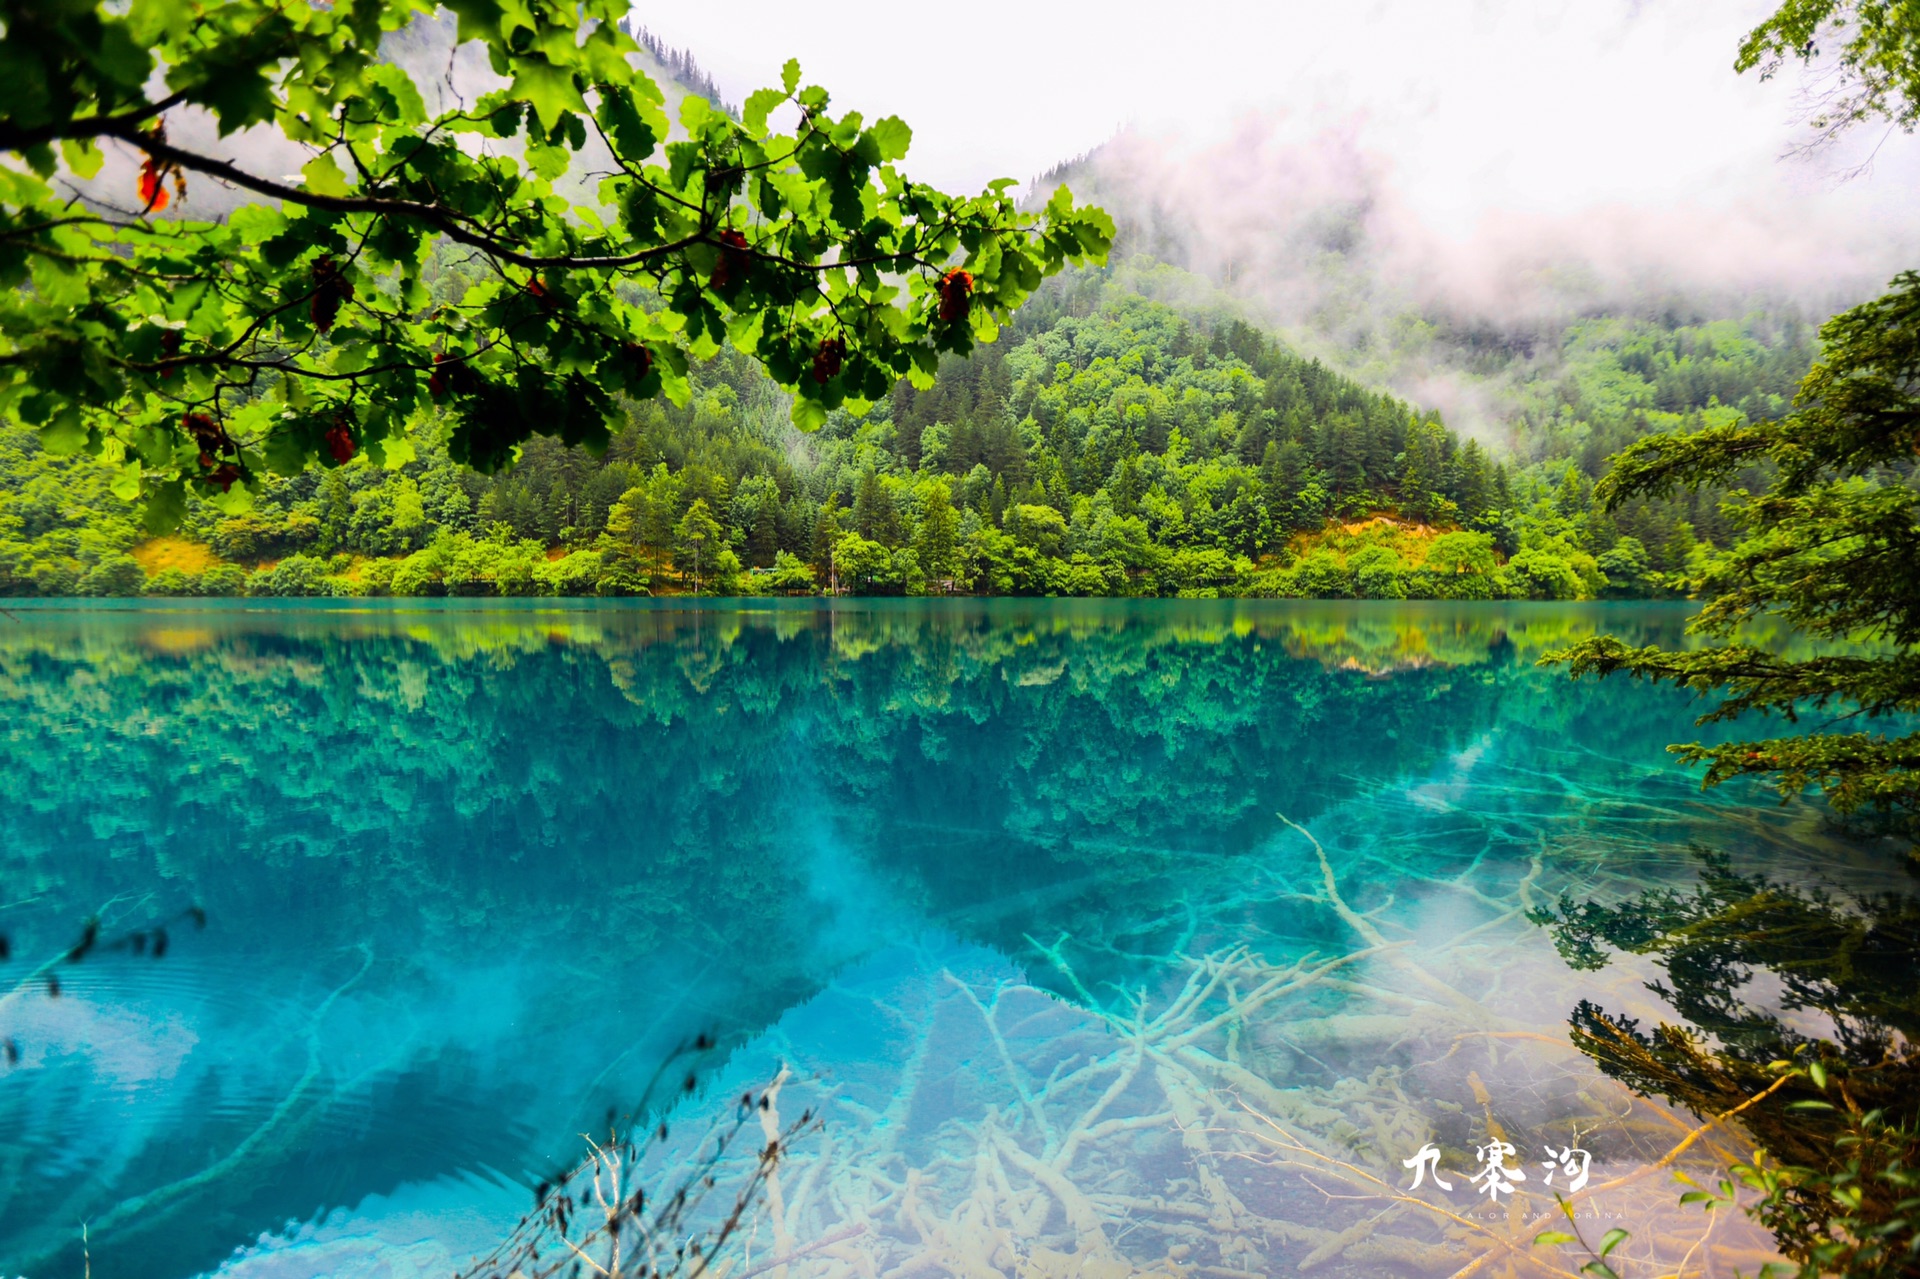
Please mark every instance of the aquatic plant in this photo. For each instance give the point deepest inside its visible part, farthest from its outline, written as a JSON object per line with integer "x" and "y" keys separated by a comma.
{"x": 597, "y": 1219}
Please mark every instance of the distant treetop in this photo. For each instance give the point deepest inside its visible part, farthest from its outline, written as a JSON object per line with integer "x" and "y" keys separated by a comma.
{"x": 517, "y": 262}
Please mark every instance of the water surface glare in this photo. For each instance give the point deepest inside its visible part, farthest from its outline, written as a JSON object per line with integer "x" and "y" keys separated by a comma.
{"x": 1106, "y": 938}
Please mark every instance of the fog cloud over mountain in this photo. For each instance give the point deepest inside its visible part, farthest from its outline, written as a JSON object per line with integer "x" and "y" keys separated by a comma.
{"x": 1501, "y": 164}
{"x": 1318, "y": 224}
{"x": 1397, "y": 184}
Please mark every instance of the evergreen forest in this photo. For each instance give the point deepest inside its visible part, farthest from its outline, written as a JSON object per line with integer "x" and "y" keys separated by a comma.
{"x": 1109, "y": 444}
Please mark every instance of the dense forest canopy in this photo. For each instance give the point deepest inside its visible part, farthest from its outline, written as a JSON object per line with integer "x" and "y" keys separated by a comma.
{"x": 1131, "y": 431}
{"x": 1107, "y": 444}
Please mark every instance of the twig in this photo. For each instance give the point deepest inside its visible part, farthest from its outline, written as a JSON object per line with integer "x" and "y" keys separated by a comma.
{"x": 1666, "y": 1160}
{"x": 825, "y": 1241}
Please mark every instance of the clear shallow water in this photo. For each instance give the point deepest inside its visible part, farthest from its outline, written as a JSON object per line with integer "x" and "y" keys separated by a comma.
{"x": 1106, "y": 938}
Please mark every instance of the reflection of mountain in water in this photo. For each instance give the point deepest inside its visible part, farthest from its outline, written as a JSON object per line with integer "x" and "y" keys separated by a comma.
{"x": 470, "y": 871}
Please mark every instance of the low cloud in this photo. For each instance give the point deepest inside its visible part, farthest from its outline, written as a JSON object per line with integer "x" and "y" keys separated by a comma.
{"x": 1317, "y": 225}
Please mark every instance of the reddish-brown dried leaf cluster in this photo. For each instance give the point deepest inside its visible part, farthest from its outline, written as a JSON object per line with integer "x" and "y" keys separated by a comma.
{"x": 734, "y": 260}
{"x": 153, "y": 177}
{"x": 541, "y": 292}
{"x": 639, "y": 359}
{"x": 330, "y": 290}
{"x": 827, "y": 360}
{"x": 956, "y": 296}
{"x": 450, "y": 373}
{"x": 340, "y": 441}
{"x": 218, "y": 453}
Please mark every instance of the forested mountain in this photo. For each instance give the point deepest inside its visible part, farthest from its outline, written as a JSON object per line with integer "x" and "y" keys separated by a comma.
{"x": 1549, "y": 337}
{"x": 1135, "y": 432}
{"x": 1108, "y": 444}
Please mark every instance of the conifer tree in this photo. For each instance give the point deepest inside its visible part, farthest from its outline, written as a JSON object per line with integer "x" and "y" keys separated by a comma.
{"x": 1831, "y": 543}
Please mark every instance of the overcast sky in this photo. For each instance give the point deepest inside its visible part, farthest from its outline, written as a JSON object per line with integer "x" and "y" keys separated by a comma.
{"x": 1472, "y": 107}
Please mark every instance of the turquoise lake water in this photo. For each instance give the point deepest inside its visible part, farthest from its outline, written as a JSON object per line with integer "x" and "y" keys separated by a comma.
{"x": 1104, "y": 938}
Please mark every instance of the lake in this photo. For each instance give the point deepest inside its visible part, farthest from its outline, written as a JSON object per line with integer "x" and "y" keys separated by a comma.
{"x": 1100, "y": 938}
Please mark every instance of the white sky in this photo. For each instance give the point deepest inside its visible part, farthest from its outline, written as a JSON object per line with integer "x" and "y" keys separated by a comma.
{"x": 1474, "y": 107}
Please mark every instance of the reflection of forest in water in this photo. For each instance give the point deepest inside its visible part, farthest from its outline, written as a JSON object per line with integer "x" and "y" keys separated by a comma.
{"x": 436, "y": 756}
{"x": 468, "y": 871}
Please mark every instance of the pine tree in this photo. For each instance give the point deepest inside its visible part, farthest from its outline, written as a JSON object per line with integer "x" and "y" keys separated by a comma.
{"x": 662, "y": 501}
{"x": 1831, "y": 546}
{"x": 867, "y": 501}
{"x": 1471, "y": 486}
{"x": 826, "y": 535}
{"x": 1421, "y": 471}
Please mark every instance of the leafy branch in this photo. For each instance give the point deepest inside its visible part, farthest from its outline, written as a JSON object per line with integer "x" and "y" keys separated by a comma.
{"x": 408, "y": 273}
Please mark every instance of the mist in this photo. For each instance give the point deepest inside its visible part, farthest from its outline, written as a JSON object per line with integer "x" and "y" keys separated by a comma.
{"x": 1313, "y": 228}
{"x": 1470, "y": 107}
{"x": 1310, "y": 216}
{"x": 1321, "y": 228}
{"x": 1379, "y": 182}
{"x": 1384, "y": 181}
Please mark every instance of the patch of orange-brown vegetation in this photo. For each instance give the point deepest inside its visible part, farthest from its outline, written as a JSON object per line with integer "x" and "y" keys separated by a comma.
{"x": 1405, "y": 528}
{"x": 178, "y": 641}
{"x": 1410, "y": 540}
{"x": 174, "y": 552}
{"x": 556, "y": 553}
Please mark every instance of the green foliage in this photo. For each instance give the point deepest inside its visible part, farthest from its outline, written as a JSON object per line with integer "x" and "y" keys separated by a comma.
{"x": 1543, "y": 575}
{"x": 1831, "y": 545}
{"x": 407, "y": 269}
{"x": 789, "y": 573}
{"x": 1837, "y": 1118}
{"x": 1876, "y": 72}
{"x": 59, "y": 521}
{"x": 1579, "y": 394}
{"x": 295, "y": 575}
{"x": 1460, "y": 554}
{"x": 1110, "y": 445}
{"x": 862, "y": 563}
{"x": 697, "y": 535}
{"x": 1626, "y": 565}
